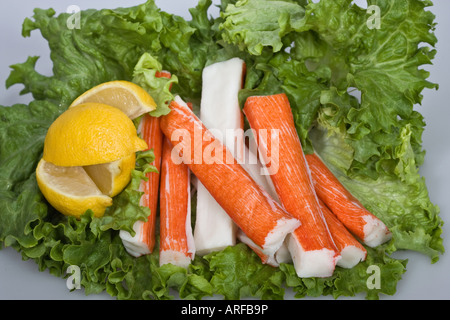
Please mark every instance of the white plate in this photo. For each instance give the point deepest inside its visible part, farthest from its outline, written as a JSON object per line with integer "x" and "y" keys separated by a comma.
{"x": 22, "y": 280}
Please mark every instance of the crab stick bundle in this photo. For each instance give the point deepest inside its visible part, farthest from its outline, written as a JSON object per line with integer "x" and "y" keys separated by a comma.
{"x": 219, "y": 111}
{"x": 352, "y": 252}
{"x": 357, "y": 219}
{"x": 261, "y": 218}
{"x": 143, "y": 242}
{"x": 176, "y": 239}
{"x": 312, "y": 248}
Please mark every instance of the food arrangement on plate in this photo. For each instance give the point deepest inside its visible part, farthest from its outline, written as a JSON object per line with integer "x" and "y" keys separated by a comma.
{"x": 223, "y": 156}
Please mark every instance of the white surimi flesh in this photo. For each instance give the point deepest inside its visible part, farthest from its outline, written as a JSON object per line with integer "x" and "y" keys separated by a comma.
{"x": 350, "y": 257}
{"x": 375, "y": 232}
{"x": 256, "y": 169}
{"x": 134, "y": 245}
{"x": 176, "y": 258}
{"x": 220, "y": 112}
{"x": 314, "y": 263}
{"x": 214, "y": 230}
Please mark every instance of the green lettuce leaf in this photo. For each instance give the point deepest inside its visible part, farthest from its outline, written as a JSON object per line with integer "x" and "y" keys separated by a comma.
{"x": 384, "y": 65}
{"x": 144, "y": 75}
{"x": 125, "y": 210}
{"x": 238, "y": 273}
{"x": 253, "y": 25}
{"x": 22, "y": 133}
{"x": 352, "y": 91}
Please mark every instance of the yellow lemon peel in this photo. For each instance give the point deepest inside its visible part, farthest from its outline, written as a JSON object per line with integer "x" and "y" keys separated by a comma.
{"x": 91, "y": 133}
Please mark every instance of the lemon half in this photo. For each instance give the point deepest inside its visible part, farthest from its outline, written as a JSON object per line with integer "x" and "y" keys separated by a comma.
{"x": 91, "y": 133}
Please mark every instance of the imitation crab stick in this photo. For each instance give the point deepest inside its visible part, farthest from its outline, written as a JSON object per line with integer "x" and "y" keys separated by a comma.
{"x": 352, "y": 252}
{"x": 176, "y": 239}
{"x": 358, "y": 220}
{"x": 260, "y": 217}
{"x": 219, "y": 111}
{"x": 312, "y": 248}
{"x": 143, "y": 241}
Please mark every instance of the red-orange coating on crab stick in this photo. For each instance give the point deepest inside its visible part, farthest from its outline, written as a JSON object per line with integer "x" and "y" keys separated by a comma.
{"x": 351, "y": 250}
{"x": 261, "y": 218}
{"x": 143, "y": 241}
{"x": 176, "y": 239}
{"x": 357, "y": 219}
{"x": 312, "y": 248}
{"x": 151, "y": 132}
{"x": 163, "y": 74}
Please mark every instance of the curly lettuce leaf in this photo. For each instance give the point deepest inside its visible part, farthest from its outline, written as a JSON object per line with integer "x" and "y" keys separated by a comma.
{"x": 238, "y": 273}
{"x": 22, "y": 133}
{"x": 384, "y": 65}
{"x": 94, "y": 53}
{"x": 253, "y": 25}
{"x": 144, "y": 75}
{"x": 79, "y": 63}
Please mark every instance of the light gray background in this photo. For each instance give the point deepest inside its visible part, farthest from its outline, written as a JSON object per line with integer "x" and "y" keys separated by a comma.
{"x": 22, "y": 280}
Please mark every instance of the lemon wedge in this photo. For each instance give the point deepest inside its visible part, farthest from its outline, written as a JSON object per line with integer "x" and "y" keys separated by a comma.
{"x": 124, "y": 95}
{"x": 70, "y": 190}
{"x": 112, "y": 177}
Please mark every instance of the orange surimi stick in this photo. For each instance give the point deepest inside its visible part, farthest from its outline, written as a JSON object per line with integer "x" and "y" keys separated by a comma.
{"x": 220, "y": 112}
{"x": 143, "y": 241}
{"x": 312, "y": 249}
{"x": 352, "y": 252}
{"x": 262, "y": 219}
{"x": 152, "y": 133}
{"x": 357, "y": 219}
{"x": 176, "y": 239}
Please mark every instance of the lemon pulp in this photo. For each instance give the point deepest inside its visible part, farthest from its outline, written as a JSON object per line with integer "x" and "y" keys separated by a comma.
{"x": 124, "y": 95}
{"x": 70, "y": 190}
